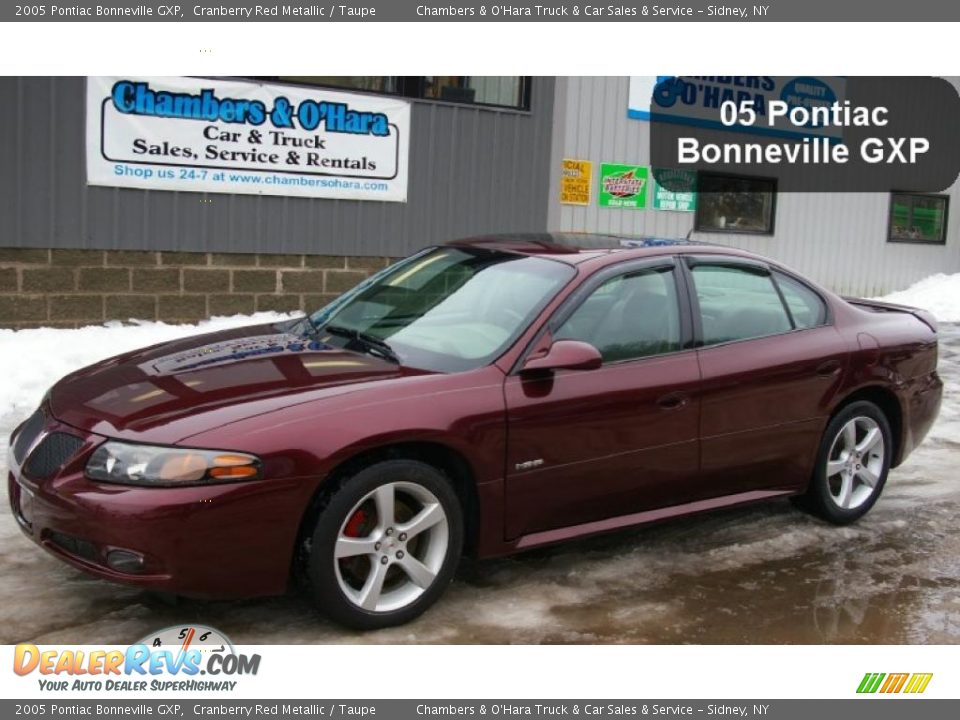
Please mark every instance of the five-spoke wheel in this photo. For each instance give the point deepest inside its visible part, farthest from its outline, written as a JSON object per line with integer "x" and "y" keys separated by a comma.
{"x": 386, "y": 544}
{"x": 391, "y": 546}
{"x": 852, "y": 464}
{"x": 855, "y": 463}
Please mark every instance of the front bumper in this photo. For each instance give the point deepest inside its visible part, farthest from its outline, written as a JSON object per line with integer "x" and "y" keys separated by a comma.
{"x": 215, "y": 541}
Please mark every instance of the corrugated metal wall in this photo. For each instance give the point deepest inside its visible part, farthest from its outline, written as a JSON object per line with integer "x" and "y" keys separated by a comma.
{"x": 472, "y": 170}
{"x": 839, "y": 240}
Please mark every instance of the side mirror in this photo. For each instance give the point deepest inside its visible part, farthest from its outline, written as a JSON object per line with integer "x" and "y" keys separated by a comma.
{"x": 566, "y": 355}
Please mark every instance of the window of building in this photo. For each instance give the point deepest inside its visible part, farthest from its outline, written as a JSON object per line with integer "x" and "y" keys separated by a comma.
{"x": 918, "y": 218}
{"x": 366, "y": 83}
{"x": 738, "y": 303}
{"x": 506, "y": 91}
{"x": 499, "y": 90}
{"x": 629, "y": 316}
{"x": 734, "y": 204}
{"x": 806, "y": 307}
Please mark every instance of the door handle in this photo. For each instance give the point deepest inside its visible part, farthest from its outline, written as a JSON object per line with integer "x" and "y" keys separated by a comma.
{"x": 828, "y": 368}
{"x": 674, "y": 400}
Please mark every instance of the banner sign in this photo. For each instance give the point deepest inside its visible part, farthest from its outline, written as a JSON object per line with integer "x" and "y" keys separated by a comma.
{"x": 623, "y": 186}
{"x": 576, "y": 176}
{"x": 697, "y": 99}
{"x": 172, "y": 133}
{"x": 683, "y": 198}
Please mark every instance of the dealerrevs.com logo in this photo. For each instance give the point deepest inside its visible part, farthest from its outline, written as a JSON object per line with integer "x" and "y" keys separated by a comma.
{"x": 178, "y": 658}
{"x": 888, "y": 683}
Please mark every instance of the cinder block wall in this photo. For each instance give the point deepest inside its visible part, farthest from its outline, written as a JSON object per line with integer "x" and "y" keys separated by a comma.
{"x": 72, "y": 288}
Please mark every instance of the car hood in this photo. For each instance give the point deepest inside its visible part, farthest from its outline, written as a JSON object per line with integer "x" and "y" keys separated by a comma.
{"x": 173, "y": 390}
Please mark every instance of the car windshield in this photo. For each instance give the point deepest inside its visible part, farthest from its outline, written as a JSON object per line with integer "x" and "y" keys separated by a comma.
{"x": 446, "y": 309}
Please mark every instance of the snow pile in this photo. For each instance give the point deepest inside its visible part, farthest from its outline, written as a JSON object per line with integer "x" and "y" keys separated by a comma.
{"x": 32, "y": 360}
{"x": 940, "y": 294}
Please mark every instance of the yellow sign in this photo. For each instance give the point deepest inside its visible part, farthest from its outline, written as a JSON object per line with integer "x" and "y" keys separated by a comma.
{"x": 575, "y": 181}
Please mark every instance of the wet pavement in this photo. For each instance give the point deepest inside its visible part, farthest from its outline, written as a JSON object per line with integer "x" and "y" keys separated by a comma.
{"x": 766, "y": 574}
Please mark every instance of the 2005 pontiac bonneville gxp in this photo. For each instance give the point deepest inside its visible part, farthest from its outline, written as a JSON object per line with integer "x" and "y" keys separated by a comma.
{"x": 490, "y": 395}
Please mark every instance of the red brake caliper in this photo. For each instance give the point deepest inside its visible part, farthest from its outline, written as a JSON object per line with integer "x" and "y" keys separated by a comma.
{"x": 354, "y": 524}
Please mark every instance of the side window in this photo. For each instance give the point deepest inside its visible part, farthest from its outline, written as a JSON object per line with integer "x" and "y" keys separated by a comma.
{"x": 629, "y": 316}
{"x": 806, "y": 307}
{"x": 737, "y": 303}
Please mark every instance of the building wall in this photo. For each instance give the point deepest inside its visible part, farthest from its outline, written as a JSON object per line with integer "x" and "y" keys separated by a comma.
{"x": 839, "y": 240}
{"x": 472, "y": 170}
{"x": 72, "y": 288}
{"x": 72, "y": 254}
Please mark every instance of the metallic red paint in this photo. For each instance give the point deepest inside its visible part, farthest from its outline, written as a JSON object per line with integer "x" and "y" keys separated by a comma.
{"x": 544, "y": 456}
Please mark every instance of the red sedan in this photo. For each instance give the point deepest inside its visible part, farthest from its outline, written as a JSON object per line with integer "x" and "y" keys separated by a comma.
{"x": 488, "y": 396}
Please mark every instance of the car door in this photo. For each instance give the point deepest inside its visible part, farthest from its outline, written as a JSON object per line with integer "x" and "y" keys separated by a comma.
{"x": 585, "y": 445}
{"x": 770, "y": 361}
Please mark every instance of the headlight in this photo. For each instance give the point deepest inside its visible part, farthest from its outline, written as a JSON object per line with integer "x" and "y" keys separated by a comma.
{"x": 128, "y": 464}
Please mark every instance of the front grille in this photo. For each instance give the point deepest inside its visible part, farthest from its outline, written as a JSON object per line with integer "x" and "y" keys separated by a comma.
{"x": 28, "y": 433}
{"x": 50, "y": 455}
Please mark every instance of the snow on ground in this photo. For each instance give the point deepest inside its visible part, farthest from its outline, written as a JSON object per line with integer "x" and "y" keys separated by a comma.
{"x": 940, "y": 294}
{"x": 32, "y": 360}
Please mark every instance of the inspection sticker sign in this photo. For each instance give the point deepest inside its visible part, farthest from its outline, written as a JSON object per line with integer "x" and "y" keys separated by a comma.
{"x": 683, "y": 199}
{"x": 170, "y": 133}
{"x": 575, "y": 180}
{"x": 623, "y": 186}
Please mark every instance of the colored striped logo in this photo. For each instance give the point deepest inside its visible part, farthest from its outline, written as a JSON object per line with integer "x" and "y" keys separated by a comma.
{"x": 894, "y": 682}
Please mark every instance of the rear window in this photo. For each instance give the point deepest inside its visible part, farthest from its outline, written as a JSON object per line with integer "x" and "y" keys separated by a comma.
{"x": 806, "y": 307}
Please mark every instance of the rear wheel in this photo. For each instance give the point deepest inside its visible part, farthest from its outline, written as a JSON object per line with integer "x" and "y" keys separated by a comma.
{"x": 852, "y": 464}
{"x": 386, "y": 545}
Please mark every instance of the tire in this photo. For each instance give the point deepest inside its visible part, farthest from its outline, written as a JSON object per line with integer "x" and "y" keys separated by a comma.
{"x": 390, "y": 570}
{"x": 852, "y": 464}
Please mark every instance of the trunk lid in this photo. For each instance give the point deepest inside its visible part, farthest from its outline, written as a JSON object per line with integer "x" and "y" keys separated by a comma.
{"x": 878, "y": 306}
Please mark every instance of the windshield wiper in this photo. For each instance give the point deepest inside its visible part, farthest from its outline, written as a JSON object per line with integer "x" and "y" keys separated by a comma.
{"x": 373, "y": 344}
{"x": 307, "y": 320}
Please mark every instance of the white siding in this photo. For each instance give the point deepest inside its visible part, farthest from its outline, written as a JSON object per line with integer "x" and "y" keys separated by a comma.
{"x": 839, "y": 240}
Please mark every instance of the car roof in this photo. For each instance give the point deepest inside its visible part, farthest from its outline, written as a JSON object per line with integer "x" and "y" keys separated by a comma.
{"x": 575, "y": 248}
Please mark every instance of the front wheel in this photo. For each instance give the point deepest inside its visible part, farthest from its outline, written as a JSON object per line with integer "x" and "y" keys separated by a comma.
{"x": 852, "y": 464}
{"x": 386, "y": 545}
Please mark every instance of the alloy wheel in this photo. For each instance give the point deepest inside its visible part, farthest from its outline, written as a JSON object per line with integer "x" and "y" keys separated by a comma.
{"x": 391, "y": 547}
{"x": 855, "y": 463}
